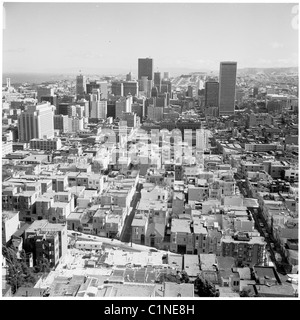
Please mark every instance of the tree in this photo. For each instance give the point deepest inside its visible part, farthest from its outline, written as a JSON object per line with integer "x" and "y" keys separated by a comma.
{"x": 42, "y": 265}
{"x": 184, "y": 277}
{"x": 163, "y": 277}
{"x": 18, "y": 273}
{"x": 205, "y": 288}
{"x": 179, "y": 277}
{"x": 246, "y": 292}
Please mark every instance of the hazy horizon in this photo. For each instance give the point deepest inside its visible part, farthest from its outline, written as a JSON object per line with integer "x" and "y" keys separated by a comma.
{"x": 68, "y": 37}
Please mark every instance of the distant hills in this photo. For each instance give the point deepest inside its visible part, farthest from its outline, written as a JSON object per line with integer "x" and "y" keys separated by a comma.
{"x": 268, "y": 70}
{"x": 174, "y": 72}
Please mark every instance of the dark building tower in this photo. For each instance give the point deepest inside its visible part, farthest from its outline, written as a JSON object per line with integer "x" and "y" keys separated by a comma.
{"x": 111, "y": 109}
{"x": 117, "y": 88}
{"x": 154, "y": 92}
{"x": 92, "y": 85}
{"x": 227, "y": 82}
{"x": 157, "y": 80}
{"x": 80, "y": 85}
{"x": 145, "y": 68}
{"x": 211, "y": 94}
{"x": 166, "y": 86}
{"x": 130, "y": 87}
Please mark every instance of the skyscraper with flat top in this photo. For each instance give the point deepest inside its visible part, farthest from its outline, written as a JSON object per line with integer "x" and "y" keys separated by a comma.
{"x": 157, "y": 80}
{"x": 80, "y": 85}
{"x": 227, "y": 82}
{"x": 36, "y": 122}
{"x": 211, "y": 94}
{"x": 145, "y": 68}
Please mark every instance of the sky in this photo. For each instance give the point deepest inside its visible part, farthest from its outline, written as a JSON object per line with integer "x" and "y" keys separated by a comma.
{"x": 68, "y": 37}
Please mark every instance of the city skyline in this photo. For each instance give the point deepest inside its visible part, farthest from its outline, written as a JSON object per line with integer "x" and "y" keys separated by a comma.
{"x": 251, "y": 35}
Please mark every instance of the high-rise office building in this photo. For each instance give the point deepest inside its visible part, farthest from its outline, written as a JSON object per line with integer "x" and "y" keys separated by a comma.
{"x": 167, "y": 75}
{"x": 98, "y": 107}
{"x": 157, "y": 80}
{"x": 211, "y": 94}
{"x": 143, "y": 83}
{"x": 44, "y": 92}
{"x": 131, "y": 87}
{"x": 61, "y": 123}
{"x": 117, "y": 88}
{"x": 36, "y": 122}
{"x": 166, "y": 86}
{"x": 190, "y": 92}
{"x": 80, "y": 85}
{"x": 96, "y": 95}
{"x": 85, "y": 104}
{"x": 154, "y": 92}
{"x": 129, "y": 76}
{"x": 92, "y": 85}
{"x": 63, "y": 108}
{"x": 227, "y": 82}
{"x": 148, "y": 88}
{"x": 111, "y": 109}
{"x": 103, "y": 89}
{"x": 145, "y": 68}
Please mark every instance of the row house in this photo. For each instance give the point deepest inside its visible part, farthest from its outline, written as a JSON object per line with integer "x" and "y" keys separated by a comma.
{"x": 247, "y": 251}
{"x": 154, "y": 193}
{"x": 88, "y": 180}
{"x": 55, "y": 207}
{"x": 206, "y": 239}
{"x": 139, "y": 226}
{"x": 47, "y": 240}
{"x": 108, "y": 221}
{"x": 182, "y": 239}
{"x": 147, "y": 233}
{"x": 157, "y": 211}
{"x": 251, "y": 167}
{"x": 14, "y": 199}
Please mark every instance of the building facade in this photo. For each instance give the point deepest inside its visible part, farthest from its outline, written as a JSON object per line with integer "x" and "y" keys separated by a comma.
{"x": 227, "y": 82}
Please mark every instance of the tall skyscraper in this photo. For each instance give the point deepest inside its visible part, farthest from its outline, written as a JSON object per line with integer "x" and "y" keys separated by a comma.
{"x": 103, "y": 89}
{"x": 36, "y": 122}
{"x": 211, "y": 94}
{"x": 166, "y": 86}
{"x": 145, "y": 68}
{"x": 99, "y": 109}
{"x": 157, "y": 80}
{"x": 227, "y": 82}
{"x": 80, "y": 85}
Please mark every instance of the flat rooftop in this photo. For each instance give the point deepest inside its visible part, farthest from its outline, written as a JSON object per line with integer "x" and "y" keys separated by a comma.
{"x": 191, "y": 264}
{"x": 181, "y": 225}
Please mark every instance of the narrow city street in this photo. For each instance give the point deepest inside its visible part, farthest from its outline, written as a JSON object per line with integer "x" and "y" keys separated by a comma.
{"x": 126, "y": 232}
{"x": 263, "y": 228}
